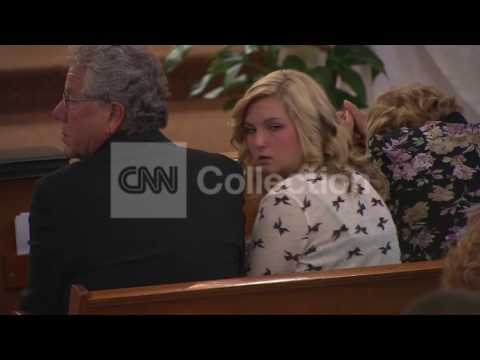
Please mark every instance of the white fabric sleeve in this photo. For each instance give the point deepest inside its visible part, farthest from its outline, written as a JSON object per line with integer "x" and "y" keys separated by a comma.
{"x": 278, "y": 237}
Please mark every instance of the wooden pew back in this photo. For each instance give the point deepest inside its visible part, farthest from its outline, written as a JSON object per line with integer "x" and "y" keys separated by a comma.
{"x": 369, "y": 290}
{"x": 15, "y": 197}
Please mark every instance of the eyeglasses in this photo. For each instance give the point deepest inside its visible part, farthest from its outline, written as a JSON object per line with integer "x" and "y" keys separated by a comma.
{"x": 68, "y": 99}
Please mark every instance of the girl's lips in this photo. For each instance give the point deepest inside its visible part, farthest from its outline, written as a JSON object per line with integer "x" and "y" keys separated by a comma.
{"x": 264, "y": 159}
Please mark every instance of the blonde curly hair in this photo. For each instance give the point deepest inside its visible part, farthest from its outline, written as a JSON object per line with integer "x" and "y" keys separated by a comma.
{"x": 324, "y": 142}
{"x": 462, "y": 263}
{"x": 409, "y": 106}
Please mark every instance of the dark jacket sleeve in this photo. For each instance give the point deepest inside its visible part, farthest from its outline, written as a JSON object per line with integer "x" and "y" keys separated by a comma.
{"x": 230, "y": 207}
{"x": 44, "y": 294}
{"x": 238, "y": 217}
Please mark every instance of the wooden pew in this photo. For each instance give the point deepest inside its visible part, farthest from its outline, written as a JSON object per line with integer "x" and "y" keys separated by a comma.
{"x": 369, "y": 290}
{"x": 15, "y": 197}
{"x": 17, "y": 182}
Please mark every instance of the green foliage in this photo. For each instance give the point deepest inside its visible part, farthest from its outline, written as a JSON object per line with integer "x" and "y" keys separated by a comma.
{"x": 235, "y": 68}
{"x": 176, "y": 56}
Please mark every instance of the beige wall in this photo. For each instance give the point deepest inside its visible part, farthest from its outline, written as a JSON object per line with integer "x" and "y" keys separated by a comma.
{"x": 15, "y": 57}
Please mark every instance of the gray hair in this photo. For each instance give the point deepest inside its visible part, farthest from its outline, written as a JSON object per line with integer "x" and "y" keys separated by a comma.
{"x": 130, "y": 75}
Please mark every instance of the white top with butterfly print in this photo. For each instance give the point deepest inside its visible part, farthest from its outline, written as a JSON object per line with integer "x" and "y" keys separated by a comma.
{"x": 308, "y": 222}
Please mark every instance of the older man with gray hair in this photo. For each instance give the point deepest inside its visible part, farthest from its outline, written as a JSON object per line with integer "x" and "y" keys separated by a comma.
{"x": 136, "y": 209}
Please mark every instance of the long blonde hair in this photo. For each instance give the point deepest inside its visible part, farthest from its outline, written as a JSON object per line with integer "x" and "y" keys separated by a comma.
{"x": 324, "y": 143}
{"x": 461, "y": 267}
{"x": 409, "y": 106}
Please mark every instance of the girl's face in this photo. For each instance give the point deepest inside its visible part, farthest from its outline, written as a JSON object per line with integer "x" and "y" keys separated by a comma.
{"x": 272, "y": 138}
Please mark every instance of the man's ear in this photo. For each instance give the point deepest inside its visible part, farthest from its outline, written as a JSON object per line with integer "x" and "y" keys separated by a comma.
{"x": 117, "y": 116}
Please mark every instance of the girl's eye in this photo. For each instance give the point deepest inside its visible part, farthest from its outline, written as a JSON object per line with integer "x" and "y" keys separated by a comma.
{"x": 275, "y": 127}
{"x": 249, "y": 130}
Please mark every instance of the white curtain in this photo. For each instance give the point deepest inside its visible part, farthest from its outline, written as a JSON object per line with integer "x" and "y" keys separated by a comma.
{"x": 454, "y": 69}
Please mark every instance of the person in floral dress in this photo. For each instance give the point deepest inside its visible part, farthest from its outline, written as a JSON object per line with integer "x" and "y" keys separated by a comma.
{"x": 430, "y": 153}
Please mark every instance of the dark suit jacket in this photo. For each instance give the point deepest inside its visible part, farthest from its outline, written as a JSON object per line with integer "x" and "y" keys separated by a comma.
{"x": 74, "y": 239}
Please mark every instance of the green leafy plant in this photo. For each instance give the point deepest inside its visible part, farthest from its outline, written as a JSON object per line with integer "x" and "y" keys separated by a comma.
{"x": 236, "y": 67}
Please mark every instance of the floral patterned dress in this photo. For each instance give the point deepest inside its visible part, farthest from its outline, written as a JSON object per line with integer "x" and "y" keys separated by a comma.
{"x": 434, "y": 175}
